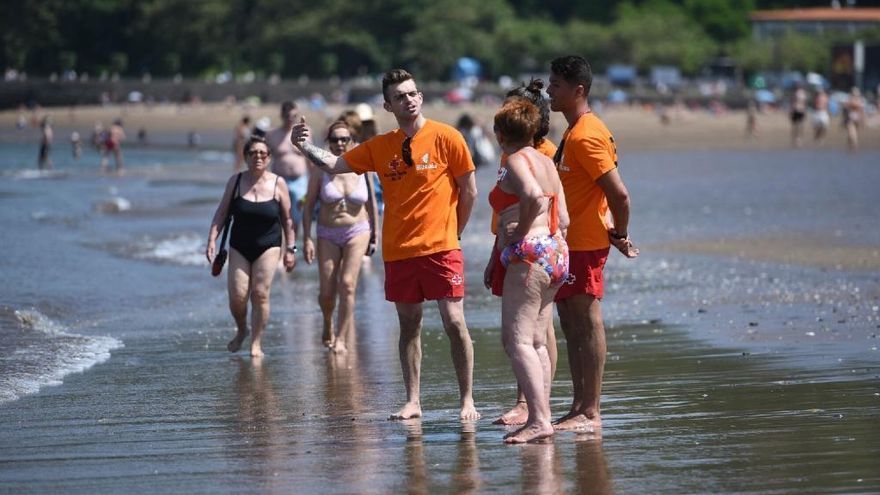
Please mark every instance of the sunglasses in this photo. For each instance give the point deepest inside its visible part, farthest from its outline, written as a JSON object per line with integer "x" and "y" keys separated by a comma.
{"x": 407, "y": 151}
{"x": 258, "y": 153}
{"x": 339, "y": 140}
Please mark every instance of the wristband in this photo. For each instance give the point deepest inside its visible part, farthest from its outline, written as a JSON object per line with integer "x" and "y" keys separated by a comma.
{"x": 291, "y": 249}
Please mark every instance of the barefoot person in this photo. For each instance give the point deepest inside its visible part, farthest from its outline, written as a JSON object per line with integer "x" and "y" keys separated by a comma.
{"x": 112, "y": 143}
{"x": 289, "y": 162}
{"x": 346, "y": 230}
{"x": 259, "y": 204}
{"x": 530, "y": 203}
{"x": 428, "y": 178}
{"x": 493, "y": 277}
{"x": 587, "y": 164}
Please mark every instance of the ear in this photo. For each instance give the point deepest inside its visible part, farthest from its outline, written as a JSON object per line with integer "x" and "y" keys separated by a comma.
{"x": 580, "y": 90}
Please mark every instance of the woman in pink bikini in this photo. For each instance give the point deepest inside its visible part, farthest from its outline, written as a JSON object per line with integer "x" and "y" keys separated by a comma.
{"x": 346, "y": 230}
{"x": 530, "y": 203}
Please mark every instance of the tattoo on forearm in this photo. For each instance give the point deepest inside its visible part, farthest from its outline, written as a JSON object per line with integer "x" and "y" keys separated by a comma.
{"x": 320, "y": 157}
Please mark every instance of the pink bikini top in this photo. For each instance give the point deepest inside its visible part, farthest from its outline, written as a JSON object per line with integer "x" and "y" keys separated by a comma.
{"x": 331, "y": 194}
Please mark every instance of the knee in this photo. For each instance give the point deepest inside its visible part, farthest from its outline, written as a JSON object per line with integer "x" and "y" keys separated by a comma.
{"x": 347, "y": 287}
{"x": 456, "y": 328}
{"x": 259, "y": 296}
{"x": 326, "y": 300}
{"x": 409, "y": 324}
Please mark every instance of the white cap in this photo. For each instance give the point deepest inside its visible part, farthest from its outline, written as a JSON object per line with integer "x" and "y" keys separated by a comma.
{"x": 364, "y": 111}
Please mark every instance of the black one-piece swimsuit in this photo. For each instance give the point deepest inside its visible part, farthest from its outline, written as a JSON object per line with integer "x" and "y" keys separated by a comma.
{"x": 256, "y": 226}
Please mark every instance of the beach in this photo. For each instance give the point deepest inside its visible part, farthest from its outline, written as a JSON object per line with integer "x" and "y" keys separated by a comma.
{"x": 742, "y": 343}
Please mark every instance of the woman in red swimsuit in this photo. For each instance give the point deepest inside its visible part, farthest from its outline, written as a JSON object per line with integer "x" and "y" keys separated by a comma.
{"x": 530, "y": 203}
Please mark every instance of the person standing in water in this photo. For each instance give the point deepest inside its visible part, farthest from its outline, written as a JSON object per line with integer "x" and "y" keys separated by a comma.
{"x": 112, "y": 143}
{"x": 240, "y": 136}
{"x": 44, "y": 161}
{"x": 428, "y": 178}
{"x": 587, "y": 164}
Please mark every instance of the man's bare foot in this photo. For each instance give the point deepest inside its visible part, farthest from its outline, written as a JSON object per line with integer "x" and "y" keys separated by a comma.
{"x": 256, "y": 350}
{"x": 530, "y": 433}
{"x": 327, "y": 337}
{"x": 339, "y": 348}
{"x": 468, "y": 411}
{"x": 517, "y": 415}
{"x": 235, "y": 344}
{"x": 409, "y": 410}
{"x": 568, "y": 416}
{"x": 579, "y": 422}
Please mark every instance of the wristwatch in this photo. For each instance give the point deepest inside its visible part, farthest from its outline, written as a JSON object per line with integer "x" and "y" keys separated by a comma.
{"x": 291, "y": 249}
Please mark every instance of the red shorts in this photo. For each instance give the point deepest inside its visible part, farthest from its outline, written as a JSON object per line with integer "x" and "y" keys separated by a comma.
{"x": 497, "y": 273}
{"x": 584, "y": 274}
{"x": 425, "y": 278}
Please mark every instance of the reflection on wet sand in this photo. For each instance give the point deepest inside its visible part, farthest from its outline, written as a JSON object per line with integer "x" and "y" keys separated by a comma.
{"x": 416, "y": 481}
{"x": 593, "y": 475}
{"x": 259, "y": 419}
{"x": 466, "y": 477}
{"x": 541, "y": 470}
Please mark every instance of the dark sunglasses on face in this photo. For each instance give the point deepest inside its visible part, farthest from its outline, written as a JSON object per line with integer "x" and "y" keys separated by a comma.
{"x": 256, "y": 153}
{"x": 339, "y": 140}
{"x": 407, "y": 151}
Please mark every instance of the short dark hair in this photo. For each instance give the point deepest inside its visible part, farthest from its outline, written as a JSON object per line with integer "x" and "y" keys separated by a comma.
{"x": 286, "y": 107}
{"x": 255, "y": 140}
{"x": 394, "y": 77}
{"x": 532, "y": 93}
{"x": 575, "y": 70}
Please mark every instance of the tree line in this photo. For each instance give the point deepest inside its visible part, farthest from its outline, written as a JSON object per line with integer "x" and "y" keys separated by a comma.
{"x": 348, "y": 38}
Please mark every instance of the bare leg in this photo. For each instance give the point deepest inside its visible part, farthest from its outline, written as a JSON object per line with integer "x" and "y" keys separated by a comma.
{"x": 519, "y": 413}
{"x": 409, "y": 347}
{"x": 524, "y": 335}
{"x": 238, "y": 281}
{"x": 119, "y": 164}
{"x": 262, "y": 272}
{"x": 592, "y": 361}
{"x": 329, "y": 257}
{"x": 462, "y": 348}
{"x": 352, "y": 258}
{"x": 571, "y": 328}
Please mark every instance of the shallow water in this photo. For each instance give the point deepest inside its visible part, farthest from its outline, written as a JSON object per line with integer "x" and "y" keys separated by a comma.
{"x": 714, "y": 382}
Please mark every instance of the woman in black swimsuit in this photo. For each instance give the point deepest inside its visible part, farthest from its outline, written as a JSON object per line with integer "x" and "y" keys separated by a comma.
{"x": 259, "y": 203}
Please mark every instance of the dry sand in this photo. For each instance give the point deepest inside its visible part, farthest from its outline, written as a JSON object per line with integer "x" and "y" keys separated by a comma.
{"x": 635, "y": 128}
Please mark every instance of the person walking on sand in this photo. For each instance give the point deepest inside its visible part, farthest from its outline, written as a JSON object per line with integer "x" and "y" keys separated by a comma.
{"x": 428, "y": 178}
{"x": 853, "y": 115}
{"x": 821, "y": 118}
{"x": 530, "y": 203}
{"x": 587, "y": 164}
{"x": 44, "y": 161}
{"x": 346, "y": 232}
{"x": 112, "y": 143}
{"x": 797, "y": 114}
{"x": 259, "y": 204}
{"x": 289, "y": 162}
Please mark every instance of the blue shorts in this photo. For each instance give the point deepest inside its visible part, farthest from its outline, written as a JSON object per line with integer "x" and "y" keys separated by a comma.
{"x": 298, "y": 188}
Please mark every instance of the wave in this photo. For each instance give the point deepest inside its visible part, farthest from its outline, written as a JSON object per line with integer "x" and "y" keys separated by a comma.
{"x": 182, "y": 249}
{"x": 38, "y": 352}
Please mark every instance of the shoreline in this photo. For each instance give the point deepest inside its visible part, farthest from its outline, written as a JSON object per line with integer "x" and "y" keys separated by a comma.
{"x": 635, "y": 128}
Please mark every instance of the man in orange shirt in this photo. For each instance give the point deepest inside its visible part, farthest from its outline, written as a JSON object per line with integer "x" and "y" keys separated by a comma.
{"x": 587, "y": 165}
{"x": 428, "y": 183}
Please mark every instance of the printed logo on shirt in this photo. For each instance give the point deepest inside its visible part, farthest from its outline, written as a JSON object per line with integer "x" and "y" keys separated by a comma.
{"x": 425, "y": 165}
{"x": 397, "y": 169}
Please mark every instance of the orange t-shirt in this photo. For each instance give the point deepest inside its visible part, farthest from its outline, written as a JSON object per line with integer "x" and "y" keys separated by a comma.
{"x": 546, "y": 147}
{"x": 420, "y": 201}
{"x": 589, "y": 153}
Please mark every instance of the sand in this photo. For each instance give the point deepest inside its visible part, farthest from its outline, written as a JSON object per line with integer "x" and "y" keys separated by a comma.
{"x": 636, "y": 128}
